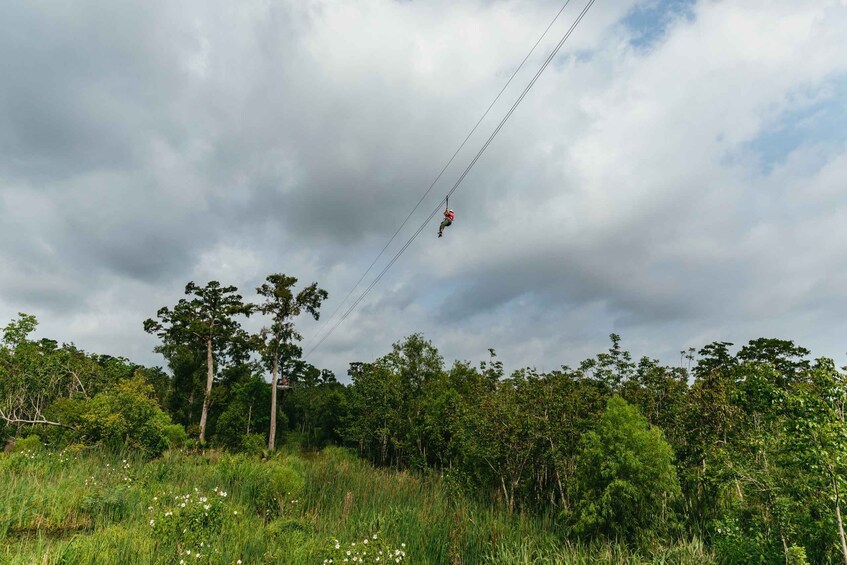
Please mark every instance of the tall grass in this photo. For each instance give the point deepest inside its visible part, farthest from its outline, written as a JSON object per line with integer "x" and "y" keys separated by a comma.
{"x": 97, "y": 508}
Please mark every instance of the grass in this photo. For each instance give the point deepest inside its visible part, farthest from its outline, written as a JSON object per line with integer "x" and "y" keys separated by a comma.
{"x": 98, "y": 508}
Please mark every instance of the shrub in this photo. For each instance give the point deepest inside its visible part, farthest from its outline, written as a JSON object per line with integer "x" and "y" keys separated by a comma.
{"x": 126, "y": 416}
{"x": 175, "y": 436}
{"x": 30, "y": 443}
{"x": 190, "y": 523}
{"x": 271, "y": 487}
{"x": 625, "y": 478}
{"x": 253, "y": 444}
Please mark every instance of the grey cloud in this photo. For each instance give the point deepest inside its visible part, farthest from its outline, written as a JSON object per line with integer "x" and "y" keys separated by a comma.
{"x": 142, "y": 146}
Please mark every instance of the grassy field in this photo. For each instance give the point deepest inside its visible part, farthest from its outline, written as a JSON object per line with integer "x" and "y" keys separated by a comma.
{"x": 217, "y": 508}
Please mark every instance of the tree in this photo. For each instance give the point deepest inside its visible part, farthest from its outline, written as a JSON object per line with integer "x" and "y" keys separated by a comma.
{"x": 817, "y": 436}
{"x": 278, "y": 342}
{"x": 612, "y": 368}
{"x": 625, "y": 478}
{"x": 785, "y": 357}
{"x": 31, "y": 376}
{"x": 374, "y": 416}
{"x": 207, "y": 320}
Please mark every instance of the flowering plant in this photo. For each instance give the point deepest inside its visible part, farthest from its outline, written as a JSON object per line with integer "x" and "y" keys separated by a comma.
{"x": 190, "y": 522}
{"x": 373, "y": 549}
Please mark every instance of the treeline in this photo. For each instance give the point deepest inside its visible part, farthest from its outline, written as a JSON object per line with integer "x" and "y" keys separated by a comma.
{"x": 743, "y": 449}
{"x": 747, "y": 451}
{"x": 216, "y": 381}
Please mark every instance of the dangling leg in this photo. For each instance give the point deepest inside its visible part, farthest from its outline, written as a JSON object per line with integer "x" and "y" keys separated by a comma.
{"x": 444, "y": 224}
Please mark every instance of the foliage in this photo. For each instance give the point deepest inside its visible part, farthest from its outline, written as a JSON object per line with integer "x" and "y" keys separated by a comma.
{"x": 59, "y": 514}
{"x": 190, "y": 523}
{"x": 252, "y": 443}
{"x": 757, "y": 434}
{"x": 175, "y": 436}
{"x": 277, "y": 343}
{"x": 127, "y": 417}
{"x": 30, "y": 444}
{"x": 625, "y": 478}
{"x": 207, "y": 323}
{"x": 367, "y": 549}
{"x": 246, "y": 411}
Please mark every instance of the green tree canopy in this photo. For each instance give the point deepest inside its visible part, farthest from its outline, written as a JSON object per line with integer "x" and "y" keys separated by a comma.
{"x": 625, "y": 478}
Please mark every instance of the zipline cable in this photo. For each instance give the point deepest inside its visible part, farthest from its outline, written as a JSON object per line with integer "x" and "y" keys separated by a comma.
{"x": 449, "y": 162}
{"x": 461, "y": 178}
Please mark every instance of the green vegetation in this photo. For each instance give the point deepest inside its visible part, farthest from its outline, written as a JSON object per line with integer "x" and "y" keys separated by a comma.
{"x": 625, "y": 480}
{"x": 65, "y": 507}
{"x": 728, "y": 457}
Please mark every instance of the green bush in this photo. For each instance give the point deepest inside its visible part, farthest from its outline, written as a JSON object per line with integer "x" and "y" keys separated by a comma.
{"x": 175, "y": 436}
{"x": 30, "y": 443}
{"x": 737, "y": 543}
{"x": 189, "y": 523}
{"x": 271, "y": 487}
{"x": 625, "y": 479}
{"x": 253, "y": 444}
{"x": 126, "y": 416}
{"x": 797, "y": 556}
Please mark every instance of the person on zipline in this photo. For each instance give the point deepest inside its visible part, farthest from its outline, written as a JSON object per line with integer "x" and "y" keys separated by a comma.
{"x": 448, "y": 219}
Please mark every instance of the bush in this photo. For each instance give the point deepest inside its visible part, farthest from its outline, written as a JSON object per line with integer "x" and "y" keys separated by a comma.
{"x": 126, "y": 416}
{"x": 30, "y": 443}
{"x": 625, "y": 479}
{"x": 271, "y": 487}
{"x": 253, "y": 444}
{"x": 190, "y": 523}
{"x": 175, "y": 436}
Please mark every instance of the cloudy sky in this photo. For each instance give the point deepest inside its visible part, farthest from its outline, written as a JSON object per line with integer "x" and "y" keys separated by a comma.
{"x": 678, "y": 175}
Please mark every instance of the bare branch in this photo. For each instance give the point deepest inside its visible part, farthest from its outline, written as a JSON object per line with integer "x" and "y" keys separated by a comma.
{"x": 10, "y": 420}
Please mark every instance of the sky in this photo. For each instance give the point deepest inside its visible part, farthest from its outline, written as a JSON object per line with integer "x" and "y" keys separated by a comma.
{"x": 676, "y": 175}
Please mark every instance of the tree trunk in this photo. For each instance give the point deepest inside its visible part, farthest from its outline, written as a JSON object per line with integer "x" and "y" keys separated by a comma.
{"x": 784, "y": 546}
{"x": 207, "y": 396}
{"x": 840, "y": 522}
{"x": 272, "y": 435}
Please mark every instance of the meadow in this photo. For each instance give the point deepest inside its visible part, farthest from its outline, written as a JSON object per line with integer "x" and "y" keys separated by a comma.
{"x": 97, "y": 507}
